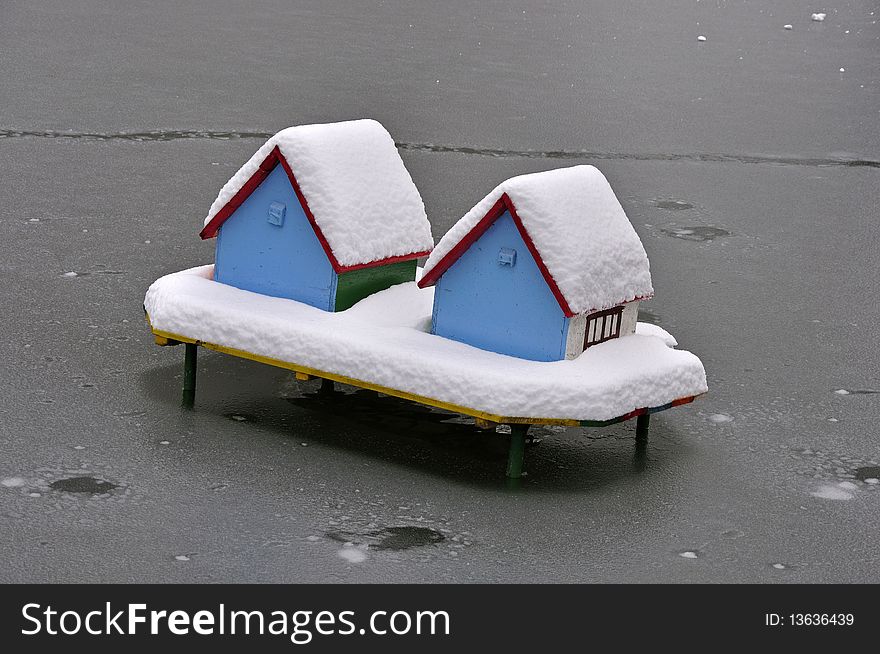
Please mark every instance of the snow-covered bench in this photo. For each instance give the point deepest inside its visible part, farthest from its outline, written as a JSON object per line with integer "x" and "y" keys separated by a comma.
{"x": 384, "y": 343}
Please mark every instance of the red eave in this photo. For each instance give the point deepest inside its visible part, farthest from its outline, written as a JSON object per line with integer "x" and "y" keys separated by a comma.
{"x": 504, "y": 203}
{"x": 267, "y": 166}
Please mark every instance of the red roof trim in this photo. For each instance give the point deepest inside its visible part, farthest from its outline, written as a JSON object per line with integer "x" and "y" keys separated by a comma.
{"x": 557, "y": 293}
{"x": 382, "y": 262}
{"x": 430, "y": 276}
{"x": 305, "y": 205}
{"x": 504, "y": 203}
{"x": 267, "y": 166}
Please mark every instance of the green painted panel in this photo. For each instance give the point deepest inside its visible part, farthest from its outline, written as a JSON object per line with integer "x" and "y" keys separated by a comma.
{"x": 354, "y": 286}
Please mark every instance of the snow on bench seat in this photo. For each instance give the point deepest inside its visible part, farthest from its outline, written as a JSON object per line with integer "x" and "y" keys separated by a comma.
{"x": 385, "y": 340}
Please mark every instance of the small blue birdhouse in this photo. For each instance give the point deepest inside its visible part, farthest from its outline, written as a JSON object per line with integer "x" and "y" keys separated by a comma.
{"x": 544, "y": 267}
{"x": 322, "y": 214}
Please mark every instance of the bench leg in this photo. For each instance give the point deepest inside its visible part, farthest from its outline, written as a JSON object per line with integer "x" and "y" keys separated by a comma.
{"x": 642, "y": 424}
{"x": 189, "y": 375}
{"x": 517, "y": 450}
{"x": 327, "y": 386}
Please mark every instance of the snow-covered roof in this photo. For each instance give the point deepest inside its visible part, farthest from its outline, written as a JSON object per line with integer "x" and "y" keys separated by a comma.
{"x": 353, "y": 186}
{"x": 574, "y": 227}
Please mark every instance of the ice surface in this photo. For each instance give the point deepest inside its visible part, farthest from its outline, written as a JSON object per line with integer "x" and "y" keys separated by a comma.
{"x": 385, "y": 339}
{"x": 580, "y": 230}
{"x": 355, "y": 183}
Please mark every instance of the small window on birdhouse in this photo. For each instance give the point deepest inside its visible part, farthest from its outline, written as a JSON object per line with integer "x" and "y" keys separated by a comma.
{"x": 603, "y": 326}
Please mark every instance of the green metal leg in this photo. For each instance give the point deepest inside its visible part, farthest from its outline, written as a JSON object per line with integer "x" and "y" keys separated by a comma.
{"x": 189, "y": 375}
{"x": 642, "y": 424}
{"x": 327, "y": 385}
{"x": 517, "y": 450}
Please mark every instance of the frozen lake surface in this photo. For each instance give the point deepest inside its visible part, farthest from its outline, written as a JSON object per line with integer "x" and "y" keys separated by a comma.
{"x": 748, "y": 163}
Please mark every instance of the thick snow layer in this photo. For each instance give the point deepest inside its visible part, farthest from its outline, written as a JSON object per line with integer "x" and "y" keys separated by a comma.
{"x": 355, "y": 184}
{"x": 384, "y": 339}
{"x": 647, "y": 329}
{"x": 580, "y": 230}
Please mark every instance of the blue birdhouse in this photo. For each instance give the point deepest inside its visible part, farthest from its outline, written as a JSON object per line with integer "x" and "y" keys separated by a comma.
{"x": 322, "y": 214}
{"x": 542, "y": 268}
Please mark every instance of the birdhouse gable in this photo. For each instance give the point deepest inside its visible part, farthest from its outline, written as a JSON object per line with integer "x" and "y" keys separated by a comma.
{"x": 572, "y": 224}
{"x": 494, "y": 294}
{"x": 269, "y": 246}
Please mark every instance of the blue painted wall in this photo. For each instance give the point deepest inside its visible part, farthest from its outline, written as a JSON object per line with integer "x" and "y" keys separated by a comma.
{"x": 503, "y": 308}
{"x": 255, "y": 254}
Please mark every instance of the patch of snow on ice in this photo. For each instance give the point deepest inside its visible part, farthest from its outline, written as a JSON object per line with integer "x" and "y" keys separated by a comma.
{"x": 701, "y": 38}
{"x": 688, "y": 555}
{"x": 719, "y": 418}
{"x": 181, "y": 557}
{"x": 872, "y": 480}
{"x": 788, "y": 27}
{"x": 841, "y": 391}
{"x": 779, "y": 566}
{"x": 13, "y": 482}
{"x": 818, "y": 17}
{"x": 843, "y": 70}
{"x": 69, "y": 274}
{"x": 848, "y": 485}
{"x": 828, "y": 492}
{"x": 352, "y": 554}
